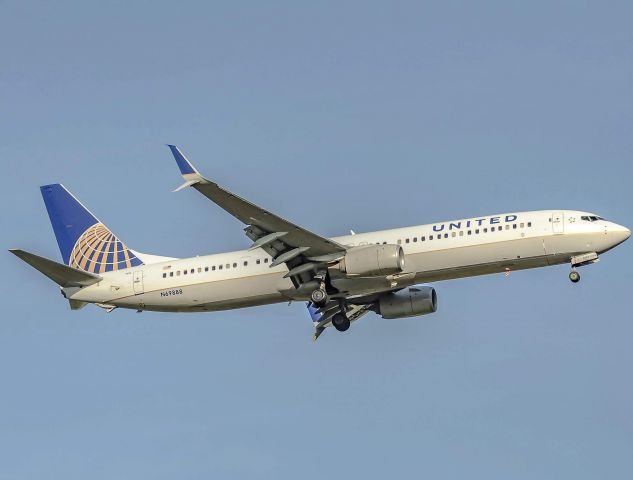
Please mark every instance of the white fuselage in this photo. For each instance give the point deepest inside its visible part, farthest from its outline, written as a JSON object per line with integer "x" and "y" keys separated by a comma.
{"x": 442, "y": 251}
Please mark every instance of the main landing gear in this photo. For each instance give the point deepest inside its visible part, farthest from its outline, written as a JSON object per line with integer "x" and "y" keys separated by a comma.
{"x": 574, "y": 276}
{"x": 340, "y": 322}
{"x": 319, "y": 297}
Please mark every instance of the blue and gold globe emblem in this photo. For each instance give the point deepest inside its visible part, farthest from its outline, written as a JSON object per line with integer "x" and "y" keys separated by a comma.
{"x": 98, "y": 250}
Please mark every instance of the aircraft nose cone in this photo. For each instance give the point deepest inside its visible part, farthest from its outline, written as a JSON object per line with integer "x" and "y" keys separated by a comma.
{"x": 621, "y": 234}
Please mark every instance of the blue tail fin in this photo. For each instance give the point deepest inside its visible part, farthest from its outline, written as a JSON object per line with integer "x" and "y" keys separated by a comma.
{"x": 84, "y": 242}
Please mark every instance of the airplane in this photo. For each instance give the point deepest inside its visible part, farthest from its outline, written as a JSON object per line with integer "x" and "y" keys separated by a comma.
{"x": 340, "y": 279}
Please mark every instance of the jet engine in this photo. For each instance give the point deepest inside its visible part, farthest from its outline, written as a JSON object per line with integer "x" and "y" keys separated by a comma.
{"x": 373, "y": 260}
{"x": 410, "y": 302}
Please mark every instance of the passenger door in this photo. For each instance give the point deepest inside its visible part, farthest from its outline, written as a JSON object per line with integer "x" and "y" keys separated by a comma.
{"x": 558, "y": 222}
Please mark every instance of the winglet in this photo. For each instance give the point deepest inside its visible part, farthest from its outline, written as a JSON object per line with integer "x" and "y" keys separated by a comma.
{"x": 186, "y": 168}
{"x": 188, "y": 171}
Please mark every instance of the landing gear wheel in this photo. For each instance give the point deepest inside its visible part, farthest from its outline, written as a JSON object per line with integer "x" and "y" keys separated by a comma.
{"x": 340, "y": 322}
{"x": 319, "y": 297}
{"x": 574, "y": 276}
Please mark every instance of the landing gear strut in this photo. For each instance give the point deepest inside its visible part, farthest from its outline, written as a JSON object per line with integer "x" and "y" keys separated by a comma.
{"x": 319, "y": 296}
{"x": 574, "y": 276}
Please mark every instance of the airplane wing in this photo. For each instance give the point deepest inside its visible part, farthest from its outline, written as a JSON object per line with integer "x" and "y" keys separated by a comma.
{"x": 301, "y": 250}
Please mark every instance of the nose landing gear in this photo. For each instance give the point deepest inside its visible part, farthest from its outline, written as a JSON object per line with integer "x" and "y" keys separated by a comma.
{"x": 579, "y": 261}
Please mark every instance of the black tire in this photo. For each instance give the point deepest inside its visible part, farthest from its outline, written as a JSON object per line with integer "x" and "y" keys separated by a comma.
{"x": 574, "y": 276}
{"x": 319, "y": 297}
{"x": 340, "y": 322}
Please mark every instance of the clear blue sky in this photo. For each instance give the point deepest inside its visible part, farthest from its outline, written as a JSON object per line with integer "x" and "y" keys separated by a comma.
{"x": 339, "y": 115}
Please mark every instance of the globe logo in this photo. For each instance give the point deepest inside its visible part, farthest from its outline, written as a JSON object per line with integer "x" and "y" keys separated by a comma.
{"x": 98, "y": 250}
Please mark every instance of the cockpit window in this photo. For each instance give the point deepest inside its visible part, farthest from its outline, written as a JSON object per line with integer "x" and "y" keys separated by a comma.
{"x": 591, "y": 218}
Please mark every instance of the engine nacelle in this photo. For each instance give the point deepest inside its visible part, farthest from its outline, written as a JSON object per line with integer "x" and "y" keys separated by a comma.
{"x": 411, "y": 302}
{"x": 373, "y": 260}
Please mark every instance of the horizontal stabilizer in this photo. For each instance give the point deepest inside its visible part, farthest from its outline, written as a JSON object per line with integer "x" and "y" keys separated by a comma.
{"x": 61, "y": 274}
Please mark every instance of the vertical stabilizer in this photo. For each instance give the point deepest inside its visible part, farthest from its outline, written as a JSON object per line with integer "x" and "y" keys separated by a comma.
{"x": 84, "y": 241}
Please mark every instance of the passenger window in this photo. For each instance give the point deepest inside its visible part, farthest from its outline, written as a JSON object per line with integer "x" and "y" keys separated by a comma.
{"x": 399, "y": 241}
{"x": 265, "y": 260}
{"x": 415, "y": 239}
{"x": 235, "y": 265}
{"x": 206, "y": 269}
{"x": 178, "y": 273}
{"x": 199, "y": 269}
{"x": 454, "y": 234}
{"x": 477, "y": 232}
{"x": 258, "y": 261}
{"x": 213, "y": 268}
{"x": 430, "y": 237}
{"x": 523, "y": 225}
{"x": 219, "y": 267}
{"x": 514, "y": 226}
{"x": 529, "y": 224}
{"x": 228, "y": 265}
{"x": 192, "y": 270}
{"x": 461, "y": 233}
{"x": 184, "y": 272}
{"x": 164, "y": 275}
{"x": 485, "y": 230}
{"x": 423, "y": 239}
{"x": 492, "y": 229}
{"x": 507, "y": 227}
{"x": 407, "y": 240}
{"x": 446, "y": 235}
{"x": 245, "y": 264}
{"x": 470, "y": 232}
{"x": 171, "y": 274}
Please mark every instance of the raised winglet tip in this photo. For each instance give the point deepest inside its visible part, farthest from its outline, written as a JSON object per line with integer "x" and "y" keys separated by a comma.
{"x": 185, "y": 166}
